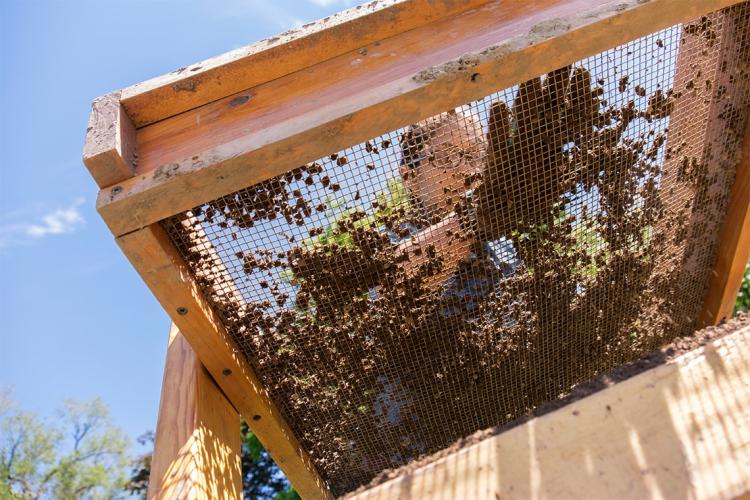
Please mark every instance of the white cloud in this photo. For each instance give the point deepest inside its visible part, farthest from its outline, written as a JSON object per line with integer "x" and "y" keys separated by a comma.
{"x": 58, "y": 221}
{"x": 327, "y": 3}
{"x": 62, "y": 220}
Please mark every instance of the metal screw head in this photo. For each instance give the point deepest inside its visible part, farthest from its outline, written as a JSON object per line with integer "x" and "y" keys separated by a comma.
{"x": 182, "y": 311}
{"x": 226, "y": 372}
{"x": 116, "y": 190}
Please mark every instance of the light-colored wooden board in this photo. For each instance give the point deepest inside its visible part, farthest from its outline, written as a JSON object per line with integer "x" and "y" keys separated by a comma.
{"x": 110, "y": 151}
{"x": 197, "y": 449}
{"x": 155, "y": 258}
{"x": 251, "y": 136}
{"x": 680, "y": 430}
{"x": 266, "y": 60}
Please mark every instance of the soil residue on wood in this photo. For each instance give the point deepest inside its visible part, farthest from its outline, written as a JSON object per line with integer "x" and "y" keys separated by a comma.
{"x": 664, "y": 355}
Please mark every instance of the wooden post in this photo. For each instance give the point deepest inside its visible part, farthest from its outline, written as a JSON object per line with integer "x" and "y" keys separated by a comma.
{"x": 734, "y": 247}
{"x": 110, "y": 152}
{"x": 197, "y": 448}
{"x": 734, "y": 236}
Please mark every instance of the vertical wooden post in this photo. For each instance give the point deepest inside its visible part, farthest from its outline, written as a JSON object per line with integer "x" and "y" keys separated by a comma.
{"x": 734, "y": 247}
{"x": 734, "y": 237}
{"x": 197, "y": 448}
{"x": 708, "y": 77}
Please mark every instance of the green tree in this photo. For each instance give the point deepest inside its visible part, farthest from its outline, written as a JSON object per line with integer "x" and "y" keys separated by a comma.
{"x": 80, "y": 454}
{"x": 141, "y": 468}
{"x": 743, "y": 298}
{"x": 261, "y": 478}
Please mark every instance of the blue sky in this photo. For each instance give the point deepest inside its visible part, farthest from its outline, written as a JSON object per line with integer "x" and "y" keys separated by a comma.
{"x": 75, "y": 319}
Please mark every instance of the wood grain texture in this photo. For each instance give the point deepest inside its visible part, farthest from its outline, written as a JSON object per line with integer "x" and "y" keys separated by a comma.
{"x": 261, "y": 132}
{"x": 110, "y": 150}
{"x": 680, "y": 430}
{"x": 168, "y": 277}
{"x": 274, "y": 57}
{"x": 197, "y": 449}
{"x": 734, "y": 247}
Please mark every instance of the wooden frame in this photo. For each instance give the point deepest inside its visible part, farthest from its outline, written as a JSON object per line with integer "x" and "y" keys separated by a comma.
{"x": 734, "y": 247}
{"x": 169, "y": 144}
{"x": 197, "y": 447}
{"x": 272, "y": 127}
{"x": 680, "y": 430}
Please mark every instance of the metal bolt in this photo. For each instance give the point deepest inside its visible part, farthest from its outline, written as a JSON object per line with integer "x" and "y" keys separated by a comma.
{"x": 116, "y": 190}
{"x": 226, "y": 372}
{"x": 182, "y": 311}
{"x": 363, "y": 51}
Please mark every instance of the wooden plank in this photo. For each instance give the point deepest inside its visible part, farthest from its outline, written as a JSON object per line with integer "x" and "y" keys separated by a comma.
{"x": 734, "y": 247}
{"x": 680, "y": 430}
{"x": 251, "y": 136}
{"x": 266, "y": 60}
{"x": 699, "y": 131}
{"x": 110, "y": 148}
{"x": 198, "y": 444}
{"x": 167, "y": 275}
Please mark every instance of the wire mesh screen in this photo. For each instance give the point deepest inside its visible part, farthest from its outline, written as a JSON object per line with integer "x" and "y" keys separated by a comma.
{"x": 455, "y": 274}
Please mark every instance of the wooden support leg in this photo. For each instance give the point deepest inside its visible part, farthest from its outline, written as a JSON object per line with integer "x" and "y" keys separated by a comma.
{"x": 197, "y": 448}
{"x": 734, "y": 247}
{"x": 734, "y": 238}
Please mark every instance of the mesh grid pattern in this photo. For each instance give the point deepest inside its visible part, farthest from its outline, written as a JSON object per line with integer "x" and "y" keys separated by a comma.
{"x": 455, "y": 274}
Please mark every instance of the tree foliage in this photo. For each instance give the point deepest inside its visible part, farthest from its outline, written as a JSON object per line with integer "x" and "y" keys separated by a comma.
{"x": 80, "y": 454}
{"x": 261, "y": 478}
{"x": 743, "y": 298}
{"x": 141, "y": 468}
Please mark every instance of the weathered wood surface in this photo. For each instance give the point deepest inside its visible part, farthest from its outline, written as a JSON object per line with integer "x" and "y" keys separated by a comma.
{"x": 110, "y": 151}
{"x": 266, "y": 60}
{"x": 255, "y": 134}
{"x": 197, "y": 449}
{"x": 680, "y": 430}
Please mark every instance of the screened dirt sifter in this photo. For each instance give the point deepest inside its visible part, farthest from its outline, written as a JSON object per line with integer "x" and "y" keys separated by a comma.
{"x": 388, "y": 230}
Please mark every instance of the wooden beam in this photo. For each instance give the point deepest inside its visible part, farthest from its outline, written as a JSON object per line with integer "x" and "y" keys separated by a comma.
{"x": 198, "y": 444}
{"x": 264, "y": 131}
{"x": 266, "y": 60}
{"x": 734, "y": 247}
{"x": 110, "y": 149}
{"x": 168, "y": 276}
{"x": 680, "y": 430}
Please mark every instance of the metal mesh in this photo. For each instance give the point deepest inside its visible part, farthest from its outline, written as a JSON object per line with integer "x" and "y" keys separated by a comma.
{"x": 455, "y": 274}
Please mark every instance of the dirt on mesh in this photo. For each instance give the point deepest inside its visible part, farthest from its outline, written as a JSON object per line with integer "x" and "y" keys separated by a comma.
{"x": 663, "y": 356}
{"x": 372, "y": 366}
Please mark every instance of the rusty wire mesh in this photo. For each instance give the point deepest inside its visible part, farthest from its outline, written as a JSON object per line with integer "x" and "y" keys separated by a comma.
{"x": 455, "y": 274}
